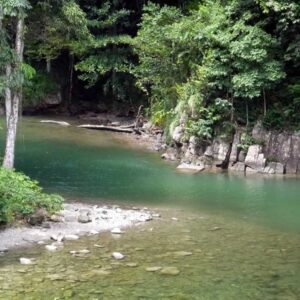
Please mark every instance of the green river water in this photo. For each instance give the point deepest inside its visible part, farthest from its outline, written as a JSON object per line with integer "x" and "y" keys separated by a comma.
{"x": 243, "y": 232}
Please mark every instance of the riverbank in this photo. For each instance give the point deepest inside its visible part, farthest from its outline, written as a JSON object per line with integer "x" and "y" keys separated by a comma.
{"x": 74, "y": 221}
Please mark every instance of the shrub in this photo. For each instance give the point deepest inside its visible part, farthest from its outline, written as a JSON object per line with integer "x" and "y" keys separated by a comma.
{"x": 20, "y": 197}
{"x": 37, "y": 88}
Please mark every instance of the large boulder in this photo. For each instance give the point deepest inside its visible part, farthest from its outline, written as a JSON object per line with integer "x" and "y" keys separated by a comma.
{"x": 255, "y": 158}
{"x": 178, "y": 134}
{"x": 274, "y": 168}
{"x": 85, "y": 216}
{"x": 220, "y": 150}
{"x": 38, "y": 217}
{"x": 238, "y": 167}
{"x": 193, "y": 148}
{"x": 284, "y": 146}
{"x": 53, "y": 99}
{"x": 191, "y": 167}
{"x": 170, "y": 154}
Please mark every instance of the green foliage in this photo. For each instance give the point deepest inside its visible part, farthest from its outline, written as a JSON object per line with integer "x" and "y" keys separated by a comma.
{"x": 35, "y": 89}
{"x": 20, "y": 197}
{"x": 272, "y": 158}
{"x": 247, "y": 140}
{"x": 13, "y": 7}
{"x": 218, "y": 50}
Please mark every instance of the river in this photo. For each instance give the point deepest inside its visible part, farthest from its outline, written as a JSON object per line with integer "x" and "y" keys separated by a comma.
{"x": 241, "y": 233}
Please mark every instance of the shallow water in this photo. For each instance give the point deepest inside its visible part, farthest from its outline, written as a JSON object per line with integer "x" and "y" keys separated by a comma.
{"x": 243, "y": 232}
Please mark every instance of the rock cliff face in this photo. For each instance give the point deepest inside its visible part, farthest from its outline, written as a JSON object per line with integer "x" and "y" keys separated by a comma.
{"x": 282, "y": 147}
{"x": 274, "y": 153}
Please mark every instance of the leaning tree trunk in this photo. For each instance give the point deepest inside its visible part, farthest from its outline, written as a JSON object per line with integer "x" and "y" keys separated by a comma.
{"x": 13, "y": 100}
{"x": 71, "y": 75}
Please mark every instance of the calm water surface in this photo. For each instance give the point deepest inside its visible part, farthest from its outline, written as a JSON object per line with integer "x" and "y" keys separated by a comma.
{"x": 253, "y": 254}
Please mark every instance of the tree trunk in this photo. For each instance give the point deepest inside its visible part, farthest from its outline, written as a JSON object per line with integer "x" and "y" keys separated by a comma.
{"x": 71, "y": 72}
{"x": 265, "y": 102}
{"x": 232, "y": 110}
{"x": 8, "y": 96}
{"x": 48, "y": 65}
{"x": 247, "y": 114}
{"x": 11, "y": 133}
{"x": 13, "y": 100}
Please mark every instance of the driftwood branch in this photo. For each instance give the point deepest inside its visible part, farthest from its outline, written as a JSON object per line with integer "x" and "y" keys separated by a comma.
{"x": 107, "y": 128}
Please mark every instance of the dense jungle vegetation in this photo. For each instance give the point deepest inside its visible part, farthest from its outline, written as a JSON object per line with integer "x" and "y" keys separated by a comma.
{"x": 214, "y": 63}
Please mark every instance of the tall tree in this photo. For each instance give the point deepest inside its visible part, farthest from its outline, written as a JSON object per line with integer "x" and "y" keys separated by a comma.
{"x": 13, "y": 14}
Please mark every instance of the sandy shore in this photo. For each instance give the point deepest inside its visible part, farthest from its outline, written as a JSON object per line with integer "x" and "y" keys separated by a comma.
{"x": 76, "y": 219}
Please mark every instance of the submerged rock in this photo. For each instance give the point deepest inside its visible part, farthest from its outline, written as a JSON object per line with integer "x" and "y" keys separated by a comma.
{"x": 153, "y": 269}
{"x": 170, "y": 271}
{"x": 132, "y": 264}
{"x": 118, "y": 255}
{"x": 26, "y": 261}
{"x": 183, "y": 253}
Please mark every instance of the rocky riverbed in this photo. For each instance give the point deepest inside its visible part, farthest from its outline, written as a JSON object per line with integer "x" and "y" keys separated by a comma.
{"x": 75, "y": 220}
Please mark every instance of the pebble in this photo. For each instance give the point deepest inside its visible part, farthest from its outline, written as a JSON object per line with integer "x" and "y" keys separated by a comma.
{"x": 153, "y": 269}
{"x": 131, "y": 264}
{"x": 215, "y": 228}
{"x": 182, "y": 253}
{"x": 84, "y": 251}
{"x": 117, "y": 255}
{"x": 170, "y": 271}
{"x": 25, "y": 261}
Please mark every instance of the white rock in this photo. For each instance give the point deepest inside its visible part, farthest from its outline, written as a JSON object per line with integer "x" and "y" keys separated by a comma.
{"x": 25, "y": 261}
{"x": 153, "y": 269}
{"x": 84, "y": 251}
{"x": 192, "y": 167}
{"x": 117, "y": 255}
{"x": 116, "y": 231}
{"x": 156, "y": 215}
{"x": 71, "y": 237}
{"x": 51, "y": 248}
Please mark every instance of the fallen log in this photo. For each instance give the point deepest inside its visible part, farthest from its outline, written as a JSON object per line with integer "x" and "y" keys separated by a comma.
{"x": 107, "y": 128}
{"x": 62, "y": 123}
